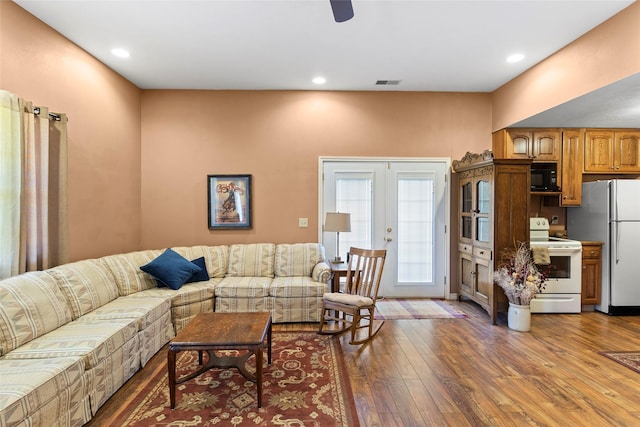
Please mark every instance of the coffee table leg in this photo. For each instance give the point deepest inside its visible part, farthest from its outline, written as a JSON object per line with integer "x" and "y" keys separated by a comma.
{"x": 258, "y": 354}
{"x": 269, "y": 344}
{"x": 171, "y": 363}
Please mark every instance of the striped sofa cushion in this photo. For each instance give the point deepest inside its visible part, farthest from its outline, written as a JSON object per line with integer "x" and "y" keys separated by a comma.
{"x": 78, "y": 413}
{"x": 243, "y": 287}
{"x": 297, "y": 259}
{"x": 125, "y": 269}
{"x": 189, "y": 293}
{"x": 251, "y": 260}
{"x": 104, "y": 379}
{"x": 94, "y": 340}
{"x": 30, "y": 386}
{"x": 297, "y": 287}
{"x": 215, "y": 257}
{"x": 87, "y": 285}
{"x": 181, "y": 315}
{"x": 145, "y": 310}
{"x": 32, "y": 305}
{"x": 237, "y": 305}
{"x": 296, "y": 310}
{"x": 155, "y": 336}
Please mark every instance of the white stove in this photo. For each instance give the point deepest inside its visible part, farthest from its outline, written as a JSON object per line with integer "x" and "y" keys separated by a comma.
{"x": 563, "y": 288}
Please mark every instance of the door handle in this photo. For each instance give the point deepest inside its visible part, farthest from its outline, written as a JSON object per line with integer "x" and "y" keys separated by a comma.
{"x": 388, "y": 239}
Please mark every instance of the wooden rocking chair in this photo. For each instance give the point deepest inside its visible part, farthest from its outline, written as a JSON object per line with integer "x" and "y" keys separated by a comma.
{"x": 353, "y": 309}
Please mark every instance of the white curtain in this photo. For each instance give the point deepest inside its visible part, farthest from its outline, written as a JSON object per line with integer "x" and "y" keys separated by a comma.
{"x": 33, "y": 187}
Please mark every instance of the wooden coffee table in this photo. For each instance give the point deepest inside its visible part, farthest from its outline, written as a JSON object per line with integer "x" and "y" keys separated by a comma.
{"x": 222, "y": 331}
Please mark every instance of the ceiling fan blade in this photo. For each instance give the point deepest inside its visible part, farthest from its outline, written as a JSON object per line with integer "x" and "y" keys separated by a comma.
{"x": 342, "y": 10}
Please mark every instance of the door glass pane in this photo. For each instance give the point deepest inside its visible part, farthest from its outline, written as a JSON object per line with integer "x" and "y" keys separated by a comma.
{"x": 466, "y": 197}
{"x": 353, "y": 196}
{"x": 483, "y": 196}
{"x": 466, "y": 227}
{"x": 482, "y": 225}
{"x": 415, "y": 230}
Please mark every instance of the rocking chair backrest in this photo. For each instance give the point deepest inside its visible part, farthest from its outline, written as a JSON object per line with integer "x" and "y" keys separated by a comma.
{"x": 365, "y": 272}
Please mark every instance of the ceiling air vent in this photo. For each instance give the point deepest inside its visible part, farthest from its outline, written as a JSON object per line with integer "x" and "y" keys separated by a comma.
{"x": 387, "y": 82}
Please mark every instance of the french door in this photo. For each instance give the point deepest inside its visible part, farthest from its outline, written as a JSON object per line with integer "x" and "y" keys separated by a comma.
{"x": 397, "y": 205}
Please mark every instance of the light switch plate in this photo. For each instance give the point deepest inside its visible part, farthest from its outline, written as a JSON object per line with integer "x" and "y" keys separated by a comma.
{"x": 303, "y": 222}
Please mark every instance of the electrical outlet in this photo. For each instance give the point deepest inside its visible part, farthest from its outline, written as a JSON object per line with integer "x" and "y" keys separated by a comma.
{"x": 554, "y": 219}
{"x": 303, "y": 222}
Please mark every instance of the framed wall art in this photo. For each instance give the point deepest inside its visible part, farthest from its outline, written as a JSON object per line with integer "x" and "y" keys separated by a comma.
{"x": 229, "y": 199}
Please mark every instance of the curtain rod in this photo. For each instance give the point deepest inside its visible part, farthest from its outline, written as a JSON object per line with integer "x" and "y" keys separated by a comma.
{"x": 54, "y": 116}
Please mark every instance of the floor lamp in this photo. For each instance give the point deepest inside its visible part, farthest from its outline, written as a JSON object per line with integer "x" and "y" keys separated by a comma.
{"x": 338, "y": 222}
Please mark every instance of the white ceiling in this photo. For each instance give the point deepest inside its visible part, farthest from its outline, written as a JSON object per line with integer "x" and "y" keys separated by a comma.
{"x": 428, "y": 45}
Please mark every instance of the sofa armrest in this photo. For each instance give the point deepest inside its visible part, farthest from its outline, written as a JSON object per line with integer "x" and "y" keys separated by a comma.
{"x": 321, "y": 272}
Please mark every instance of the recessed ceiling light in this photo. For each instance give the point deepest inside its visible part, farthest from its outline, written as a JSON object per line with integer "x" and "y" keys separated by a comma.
{"x": 515, "y": 58}
{"x": 319, "y": 80}
{"x": 121, "y": 53}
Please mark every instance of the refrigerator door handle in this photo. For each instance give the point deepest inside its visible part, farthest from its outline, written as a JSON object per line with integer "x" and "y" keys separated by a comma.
{"x": 617, "y": 241}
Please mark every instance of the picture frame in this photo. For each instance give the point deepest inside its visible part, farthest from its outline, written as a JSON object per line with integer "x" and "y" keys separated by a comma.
{"x": 229, "y": 201}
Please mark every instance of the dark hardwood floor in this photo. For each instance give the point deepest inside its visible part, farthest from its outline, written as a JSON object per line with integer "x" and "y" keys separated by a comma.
{"x": 467, "y": 372}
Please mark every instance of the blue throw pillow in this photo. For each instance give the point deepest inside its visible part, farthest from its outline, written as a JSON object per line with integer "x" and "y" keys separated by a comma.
{"x": 171, "y": 268}
{"x": 203, "y": 274}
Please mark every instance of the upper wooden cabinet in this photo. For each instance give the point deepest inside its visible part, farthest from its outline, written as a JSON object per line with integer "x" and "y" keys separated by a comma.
{"x": 612, "y": 151}
{"x": 539, "y": 145}
{"x": 571, "y": 167}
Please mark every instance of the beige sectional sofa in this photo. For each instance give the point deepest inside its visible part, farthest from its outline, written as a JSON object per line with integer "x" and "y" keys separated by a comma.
{"x": 72, "y": 335}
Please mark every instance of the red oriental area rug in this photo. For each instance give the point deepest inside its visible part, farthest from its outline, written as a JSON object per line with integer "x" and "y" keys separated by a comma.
{"x": 306, "y": 385}
{"x": 630, "y": 359}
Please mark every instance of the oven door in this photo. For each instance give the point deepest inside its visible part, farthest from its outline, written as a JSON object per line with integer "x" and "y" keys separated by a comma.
{"x": 565, "y": 270}
{"x": 564, "y": 286}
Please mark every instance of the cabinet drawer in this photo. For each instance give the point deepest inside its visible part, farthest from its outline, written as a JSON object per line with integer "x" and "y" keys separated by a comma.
{"x": 482, "y": 253}
{"x": 465, "y": 247}
{"x": 591, "y": 251}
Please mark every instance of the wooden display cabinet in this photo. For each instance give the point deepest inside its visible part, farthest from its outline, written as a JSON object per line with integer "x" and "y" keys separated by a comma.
{"x": 493, "y": 215}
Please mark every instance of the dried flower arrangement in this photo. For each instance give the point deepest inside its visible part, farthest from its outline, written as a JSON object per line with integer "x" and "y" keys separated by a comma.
{"x": 519, "y": 276}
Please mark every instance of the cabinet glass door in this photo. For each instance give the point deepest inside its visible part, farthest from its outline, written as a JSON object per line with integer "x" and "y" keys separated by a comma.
{"x": 482, "y": 211}
{"x": 466, "y": 211}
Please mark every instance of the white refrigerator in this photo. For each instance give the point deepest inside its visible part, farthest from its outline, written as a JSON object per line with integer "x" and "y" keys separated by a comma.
{"x": 610, "y": 213}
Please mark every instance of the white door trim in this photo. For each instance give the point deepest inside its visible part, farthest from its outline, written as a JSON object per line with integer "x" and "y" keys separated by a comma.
{"x": 447, "y": 219}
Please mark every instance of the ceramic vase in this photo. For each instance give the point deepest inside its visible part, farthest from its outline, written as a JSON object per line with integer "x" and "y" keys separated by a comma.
{"x": 519, "y": 317}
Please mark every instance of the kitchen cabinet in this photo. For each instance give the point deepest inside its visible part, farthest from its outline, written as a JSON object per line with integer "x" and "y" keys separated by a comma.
{"x": 591, "y": 272}
{"x": 571, "y": 167}
{"x": 493, "y": 215}
{"x": 612, "y": 151}
{"x": 572, "y": 152}
{"x": 540, "y": 145}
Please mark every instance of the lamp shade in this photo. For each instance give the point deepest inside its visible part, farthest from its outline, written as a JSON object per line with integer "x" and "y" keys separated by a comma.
{"x": 337, "y": 221}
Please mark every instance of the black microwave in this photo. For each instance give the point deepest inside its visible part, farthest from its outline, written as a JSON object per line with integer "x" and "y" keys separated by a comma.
{"x": 544, "y": 180}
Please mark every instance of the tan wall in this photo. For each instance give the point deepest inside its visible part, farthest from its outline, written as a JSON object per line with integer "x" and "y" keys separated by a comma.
{"x": 277, "y": 137}
{"x": 138, "y": 160}
{"x": 38, "y": 64}
{"x": 606, "y": 54}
